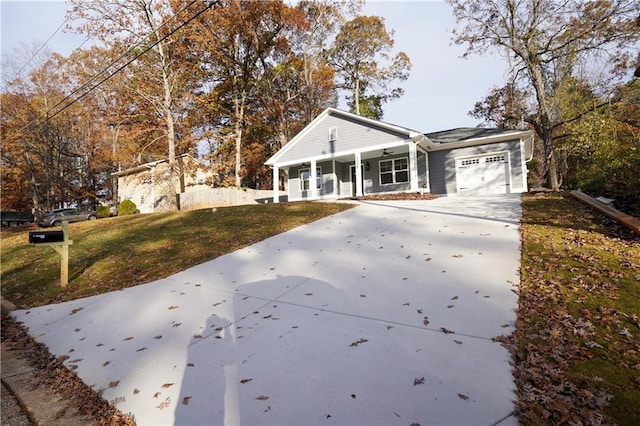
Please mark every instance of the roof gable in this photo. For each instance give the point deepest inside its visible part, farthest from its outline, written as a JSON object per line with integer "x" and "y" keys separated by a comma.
{"x": 353, "y": 132}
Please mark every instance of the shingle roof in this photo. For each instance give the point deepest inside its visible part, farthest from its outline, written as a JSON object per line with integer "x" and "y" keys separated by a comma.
{"x": 466, "y": 133}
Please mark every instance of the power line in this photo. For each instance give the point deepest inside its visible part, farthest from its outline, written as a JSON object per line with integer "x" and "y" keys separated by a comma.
{"x": 130, "y": 50}
{"x": 209, "y": 4}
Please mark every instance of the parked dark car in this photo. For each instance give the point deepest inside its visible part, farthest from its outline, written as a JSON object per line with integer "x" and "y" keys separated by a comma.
{"x": 15, "y": 218}
{"x": 56, "y": 217}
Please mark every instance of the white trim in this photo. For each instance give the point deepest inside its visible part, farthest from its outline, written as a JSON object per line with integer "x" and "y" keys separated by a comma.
{"x": 359, "y": 178}
{"x": 486, "y": 140}
{"x": 426, "y": 160}
{"x": 413, "y": 168}
{"x": 314, "y": 178}
{"x": 352, "y": 170}
{"x": 276, "y": 184}
{"x": 523, "y": 166}
{"x": 346, "y": 154}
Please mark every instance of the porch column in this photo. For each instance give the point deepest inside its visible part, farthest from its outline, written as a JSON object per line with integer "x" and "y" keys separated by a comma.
{"x": 426, "y": 165}
{"x": 334, "y": 179}
{"x": 413, "y": 167}
{"x": 276, "y": 184}
{"x": 313, "y": 180}
{"x": 359, "y": 174}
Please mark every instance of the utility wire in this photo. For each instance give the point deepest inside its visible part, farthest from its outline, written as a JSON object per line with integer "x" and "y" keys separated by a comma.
{"x": 209, "y": 4}
{"x": 115, "y": 61}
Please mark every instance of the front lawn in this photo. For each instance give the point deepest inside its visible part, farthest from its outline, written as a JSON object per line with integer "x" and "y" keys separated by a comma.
{"x": 577, "y": 343}
{"x": 114, "y": 253}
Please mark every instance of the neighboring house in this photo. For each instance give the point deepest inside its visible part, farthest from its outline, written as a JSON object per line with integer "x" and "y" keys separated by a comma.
{"x": 149, "y": 187}
{"x": 321, "y": 160}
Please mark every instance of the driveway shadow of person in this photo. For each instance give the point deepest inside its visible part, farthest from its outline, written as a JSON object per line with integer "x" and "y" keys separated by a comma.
{"x": 216, "y": 386}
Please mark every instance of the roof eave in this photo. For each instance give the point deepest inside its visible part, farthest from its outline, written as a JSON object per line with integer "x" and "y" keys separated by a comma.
{"x": 518, "y": 134}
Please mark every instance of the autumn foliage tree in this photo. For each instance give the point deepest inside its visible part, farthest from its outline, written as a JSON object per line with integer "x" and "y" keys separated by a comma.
{"x": 362, "y": 57}
{"x": 548, "y": 44}
{"x": 232, "y": 80}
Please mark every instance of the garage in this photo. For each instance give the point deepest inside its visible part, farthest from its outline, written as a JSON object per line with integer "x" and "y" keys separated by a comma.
{"x": 483, "y": 175}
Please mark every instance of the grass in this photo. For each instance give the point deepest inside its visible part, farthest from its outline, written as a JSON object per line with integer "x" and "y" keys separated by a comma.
{"x": 577, "y": 343}
{"x": 114, "y": 253}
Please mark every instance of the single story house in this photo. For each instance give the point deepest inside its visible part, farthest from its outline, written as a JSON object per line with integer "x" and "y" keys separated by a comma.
{"x": 340, "y": 154}
{"x": 149, "y": 187}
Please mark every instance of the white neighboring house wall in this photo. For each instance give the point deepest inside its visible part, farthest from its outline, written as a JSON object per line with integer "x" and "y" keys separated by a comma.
{"x": 149, "y": 185}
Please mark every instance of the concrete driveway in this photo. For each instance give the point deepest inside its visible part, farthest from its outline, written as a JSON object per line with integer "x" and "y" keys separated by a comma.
{"x": 383, "y": 314}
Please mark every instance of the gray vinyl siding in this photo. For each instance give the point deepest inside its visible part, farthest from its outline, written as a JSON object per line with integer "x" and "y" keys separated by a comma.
{"x": 442, "y": 165}
{"x": 351, "y": 135}
{"x": 422, "y": 170}
{"x": 328, "y": 182}
{"x": 374, "y": 177}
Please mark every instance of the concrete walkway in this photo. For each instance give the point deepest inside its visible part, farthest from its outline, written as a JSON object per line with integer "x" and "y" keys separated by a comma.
{"x": 383, "y": 314}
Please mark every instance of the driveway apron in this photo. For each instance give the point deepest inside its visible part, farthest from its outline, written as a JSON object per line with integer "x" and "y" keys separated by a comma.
{"x": 382, "y": 314}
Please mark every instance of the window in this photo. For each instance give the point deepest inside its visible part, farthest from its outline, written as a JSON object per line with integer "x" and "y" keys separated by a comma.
{"x": 495, "y": 159}
{"x": 471, "y": 162}
{"x": 305, "y": 177}
{"x": 394, "y": 171}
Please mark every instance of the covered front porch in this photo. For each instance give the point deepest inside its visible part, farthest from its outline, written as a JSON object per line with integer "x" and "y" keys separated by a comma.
{"x": 400, "y": 167}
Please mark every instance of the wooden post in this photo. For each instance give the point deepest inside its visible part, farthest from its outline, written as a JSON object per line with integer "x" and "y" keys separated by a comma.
{"x": 63, "y": 249}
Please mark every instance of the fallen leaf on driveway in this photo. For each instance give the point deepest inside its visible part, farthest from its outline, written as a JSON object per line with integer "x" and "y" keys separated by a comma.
{"x": 418, "y": 381}
{"x": 463, "y": 396}
{"x": 358, "y": 342}
{"x": 446, "y": 330}
{"x": 243, "y": 381}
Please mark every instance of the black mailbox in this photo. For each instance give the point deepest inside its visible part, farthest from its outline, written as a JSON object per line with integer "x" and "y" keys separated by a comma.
{"x": 38, "y": 237}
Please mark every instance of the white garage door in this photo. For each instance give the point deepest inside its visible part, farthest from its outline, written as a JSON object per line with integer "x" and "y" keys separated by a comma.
{"x": 485, "y": 175}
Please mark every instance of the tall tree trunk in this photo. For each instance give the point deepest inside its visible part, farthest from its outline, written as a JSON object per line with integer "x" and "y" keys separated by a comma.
{"x": 545, "y": 127}
{"x": 239, "y": 113}
{"x": 356, "y": 96}
{"x": 167, "y": 106}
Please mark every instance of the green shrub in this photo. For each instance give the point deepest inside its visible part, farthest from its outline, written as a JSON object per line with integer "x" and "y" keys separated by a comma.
{"x": 127, "y": 207}
{"x": 102, "y": 211}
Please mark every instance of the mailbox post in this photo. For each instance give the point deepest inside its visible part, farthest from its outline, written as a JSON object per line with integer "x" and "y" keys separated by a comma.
{"x": 59, "y": 241}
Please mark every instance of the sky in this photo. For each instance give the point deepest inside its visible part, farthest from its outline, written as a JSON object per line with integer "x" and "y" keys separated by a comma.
{"x": 441, "y": 90}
